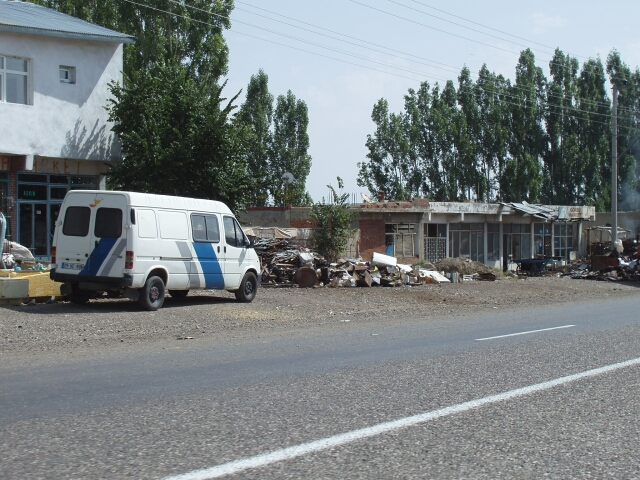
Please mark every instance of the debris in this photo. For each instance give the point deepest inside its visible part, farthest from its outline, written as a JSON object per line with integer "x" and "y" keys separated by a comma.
{"x": 186, "y": 338}
{"x": 462, "y": 266}
{"x": 306, "y": 277}
{"x": 380, "y": 260}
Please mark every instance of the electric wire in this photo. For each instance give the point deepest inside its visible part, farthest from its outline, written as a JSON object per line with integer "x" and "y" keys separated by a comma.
{"x": 440, "y": 30}
{"x": 455, "y": 69}
{"x": 368, "y": 60}
{"x": 433, "y": 28}
{"x": 452, "y": 67}
{"x": 468, "y": 28}
{"x": 484, "y": 26}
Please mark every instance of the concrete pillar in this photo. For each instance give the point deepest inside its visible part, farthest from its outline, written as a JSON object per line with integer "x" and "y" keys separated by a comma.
{"x": 447, "y": 243}
{"x": 486, "y": 244}
{"x": 420, "y": 233}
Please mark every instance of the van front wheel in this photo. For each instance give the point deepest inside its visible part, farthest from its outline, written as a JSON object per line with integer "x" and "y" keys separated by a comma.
{"x": 248, "y": 288}
{"x": 152, "y": 294}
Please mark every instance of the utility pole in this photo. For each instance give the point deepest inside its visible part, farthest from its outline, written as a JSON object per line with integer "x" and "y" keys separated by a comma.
{"x": 614, "y": 167}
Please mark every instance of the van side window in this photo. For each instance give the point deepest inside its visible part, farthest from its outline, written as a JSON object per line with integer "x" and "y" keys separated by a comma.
{"x": 229, "y": 231}
{"x": 233, "y": 234}
{"x": 205, "y": 228}
{"x": 108, "y": 223}
{"x": 76, "y": 222}
{"x": 199, "y": 228}
{"x": 213, "y": 229}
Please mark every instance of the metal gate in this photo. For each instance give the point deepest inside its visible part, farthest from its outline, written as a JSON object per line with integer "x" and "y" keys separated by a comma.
{"x": 435, "y": 249}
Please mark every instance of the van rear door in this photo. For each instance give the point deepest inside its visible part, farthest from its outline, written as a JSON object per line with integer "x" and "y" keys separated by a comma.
{"x": 92, "y": 240}
{"x": 72, "y": 239}
{"x": 108, "y": 237}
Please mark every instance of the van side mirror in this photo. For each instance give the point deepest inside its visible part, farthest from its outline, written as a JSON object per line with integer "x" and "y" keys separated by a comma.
{"x": 252, "y": 243}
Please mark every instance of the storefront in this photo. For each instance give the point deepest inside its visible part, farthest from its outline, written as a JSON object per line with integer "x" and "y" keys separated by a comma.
{"x": 31, "y": 199}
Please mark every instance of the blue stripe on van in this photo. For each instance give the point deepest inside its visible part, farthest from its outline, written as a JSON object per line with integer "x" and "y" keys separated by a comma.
{"x": 211, "y": 268}
{"x": 98, "y": 256}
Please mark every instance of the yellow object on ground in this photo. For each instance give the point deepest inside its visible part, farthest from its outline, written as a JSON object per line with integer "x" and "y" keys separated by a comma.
{"x": 40, "y": 285}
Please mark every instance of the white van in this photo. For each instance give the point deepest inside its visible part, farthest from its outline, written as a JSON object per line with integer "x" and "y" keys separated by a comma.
{"x": 138, "y": 245}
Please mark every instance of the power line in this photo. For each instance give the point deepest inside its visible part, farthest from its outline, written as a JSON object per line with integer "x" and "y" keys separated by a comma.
{"x": 342, "y": 51}
{"x": 482, "y": 25}
{"x": 336, "y": 33}
{"x": 457, "y": 69}
{"x": 361, "y": 58}
{"x": 464, "y": 26}
{"x": 433, "y": 28}
{"x": 359, "y": 40}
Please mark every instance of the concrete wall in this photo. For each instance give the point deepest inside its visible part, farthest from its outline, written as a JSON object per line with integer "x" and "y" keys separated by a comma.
{"x": 64, "y": 120}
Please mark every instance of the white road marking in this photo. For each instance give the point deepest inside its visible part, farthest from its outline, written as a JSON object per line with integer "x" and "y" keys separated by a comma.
{"x": 524, "y": 333}
{"x": 348, "y": 437}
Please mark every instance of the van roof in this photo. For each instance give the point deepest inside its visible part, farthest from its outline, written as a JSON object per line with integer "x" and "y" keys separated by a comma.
{"x": 137, "y": 199}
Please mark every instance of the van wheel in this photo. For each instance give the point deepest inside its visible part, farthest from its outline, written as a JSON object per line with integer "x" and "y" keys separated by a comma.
{"x": 79, "y": 297}
{"x": 248, "y": 288}
{"x": 179, "y": 294}
{"x": 152, "y": 294}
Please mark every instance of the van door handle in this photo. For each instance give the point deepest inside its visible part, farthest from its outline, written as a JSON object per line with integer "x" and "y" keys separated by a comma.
{"x": 96, "y": 243}
{"x": 225, "y": 249}
{"x": 218, "y": 248}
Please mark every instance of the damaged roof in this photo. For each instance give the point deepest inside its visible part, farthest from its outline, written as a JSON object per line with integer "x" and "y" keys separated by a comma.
{"x": 25, "y": 17}
{"x": 537, "y": 211}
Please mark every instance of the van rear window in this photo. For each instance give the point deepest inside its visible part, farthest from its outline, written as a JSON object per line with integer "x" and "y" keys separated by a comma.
{"x": 76, "y": 222}
{"x": 108, "y": 223}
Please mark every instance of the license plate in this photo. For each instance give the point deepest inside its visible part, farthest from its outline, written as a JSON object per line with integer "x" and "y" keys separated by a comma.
{"x": 73, "y": 266}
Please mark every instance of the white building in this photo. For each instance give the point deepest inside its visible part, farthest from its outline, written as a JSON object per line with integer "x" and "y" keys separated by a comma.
{"x": 54, "y": 129}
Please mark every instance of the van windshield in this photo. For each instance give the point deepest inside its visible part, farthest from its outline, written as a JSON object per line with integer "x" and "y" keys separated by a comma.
{"x": 76, "y": 222}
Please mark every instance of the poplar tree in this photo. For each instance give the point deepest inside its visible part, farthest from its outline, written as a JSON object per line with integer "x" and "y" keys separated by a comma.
{"x": 257, "y": 114}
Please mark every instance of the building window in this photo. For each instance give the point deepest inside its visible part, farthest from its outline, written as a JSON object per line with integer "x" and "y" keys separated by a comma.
{"x": 466, "y": 240}
{"x": 400, "y": 239}
{"x": 14, "y": 80}
{"x": 542, "y": 239}
{"x": 435, "y": 242}
{"x": 67, "y": 74}
{"x": 517, "y": 240}
{"x": 563, "y": 239}
{"x": 493, "y": 242}
{"x": 40, "y": 196}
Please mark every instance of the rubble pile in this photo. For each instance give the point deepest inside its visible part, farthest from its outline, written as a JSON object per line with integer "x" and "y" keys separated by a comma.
{"x": 284, "y": 263}
{"x": 465, "y": 267}
{"x": 282, "y": 258}
{"x": 614, "y": 263}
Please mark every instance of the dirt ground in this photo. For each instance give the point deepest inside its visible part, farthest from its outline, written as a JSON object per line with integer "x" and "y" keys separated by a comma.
{"x": 65, "y": 327}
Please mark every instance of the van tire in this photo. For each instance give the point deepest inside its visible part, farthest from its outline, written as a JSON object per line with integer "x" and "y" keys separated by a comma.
{"x": 248, "y": 288}
{"x": 79, "y": 297}
{"x": 152, "y": 294}
{"x": 179, "y": 294}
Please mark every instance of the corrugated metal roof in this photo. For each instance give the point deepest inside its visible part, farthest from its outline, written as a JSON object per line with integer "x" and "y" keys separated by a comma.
{"x": 537, "y": 211}
{"x": 24, "y": 17}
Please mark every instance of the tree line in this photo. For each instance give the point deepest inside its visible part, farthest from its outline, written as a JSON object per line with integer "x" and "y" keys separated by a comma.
{"x": 536, "y": 139}
{"x": 180, "y": 135}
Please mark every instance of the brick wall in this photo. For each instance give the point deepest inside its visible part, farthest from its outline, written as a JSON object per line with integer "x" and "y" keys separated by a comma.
{"x": 372, "y": 238}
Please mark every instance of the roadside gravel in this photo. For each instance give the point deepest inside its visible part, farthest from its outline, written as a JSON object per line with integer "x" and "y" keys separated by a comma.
{"x": 105, "y": 325}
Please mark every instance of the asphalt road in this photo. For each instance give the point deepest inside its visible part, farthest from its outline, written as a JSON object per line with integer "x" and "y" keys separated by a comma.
{"x": 163, "y": 413}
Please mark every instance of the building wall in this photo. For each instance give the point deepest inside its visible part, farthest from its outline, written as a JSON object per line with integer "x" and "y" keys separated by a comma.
{"x": 63, "y": 132}
{"x": 63, "y": 120}
{"x": 372, "y": 237}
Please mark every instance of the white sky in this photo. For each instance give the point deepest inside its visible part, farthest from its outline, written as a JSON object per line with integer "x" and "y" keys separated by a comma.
{"x": 340, "y": 95}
